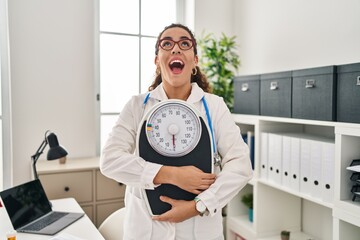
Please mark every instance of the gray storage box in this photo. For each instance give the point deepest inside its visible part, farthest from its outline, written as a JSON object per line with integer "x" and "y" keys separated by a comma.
{"x": 348, "y": 93}
{"x": 314, "y": 93}
{"x": 275, "y": 92}
{"x": 247, "y": 94}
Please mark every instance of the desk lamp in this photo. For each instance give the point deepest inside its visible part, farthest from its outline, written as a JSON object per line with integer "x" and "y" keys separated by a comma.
{"x": 55, "y": 151}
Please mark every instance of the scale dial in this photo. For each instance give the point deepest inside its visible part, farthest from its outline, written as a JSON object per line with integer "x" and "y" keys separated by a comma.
{"x": 173, "y": 128}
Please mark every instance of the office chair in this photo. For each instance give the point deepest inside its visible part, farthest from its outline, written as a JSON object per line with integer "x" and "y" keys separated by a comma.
{"x": 112, "y": 227}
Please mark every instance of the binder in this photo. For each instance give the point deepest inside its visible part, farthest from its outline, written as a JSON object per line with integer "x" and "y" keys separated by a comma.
{"x": 305, "y": 150}
{"x": 251, "y": 145}
{"x": 274, "y": 157}
{"x": 315, "y": 168}
{"x": 286, "y": 162}
{"x": 264, "y": 155}
{"x": 295, "y": 163}
{"x": 328, "y": 171}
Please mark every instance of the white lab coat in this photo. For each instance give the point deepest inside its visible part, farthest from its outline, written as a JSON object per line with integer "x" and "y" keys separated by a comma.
{"x": 119, "y": 162}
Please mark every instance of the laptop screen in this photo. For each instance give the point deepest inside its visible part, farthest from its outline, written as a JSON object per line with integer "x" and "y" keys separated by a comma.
{"x": 25, "y": 203}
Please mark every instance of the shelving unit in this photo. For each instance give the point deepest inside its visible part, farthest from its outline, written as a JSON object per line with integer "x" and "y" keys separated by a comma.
{"x": 277, "y": 207}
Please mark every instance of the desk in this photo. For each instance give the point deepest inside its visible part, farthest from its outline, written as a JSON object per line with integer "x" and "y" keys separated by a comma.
{"x": 83, "y": 228}
{"x": 80, "y": 178}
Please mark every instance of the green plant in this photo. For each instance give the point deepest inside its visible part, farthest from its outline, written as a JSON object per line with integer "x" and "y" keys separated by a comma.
{"x": 220, "y": 62}
{"x": 285, "y": 235}
{"x": 247, "y": 199}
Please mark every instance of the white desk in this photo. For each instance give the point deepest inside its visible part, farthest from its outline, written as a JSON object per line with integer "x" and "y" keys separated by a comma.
{"x": 83, "y": 228}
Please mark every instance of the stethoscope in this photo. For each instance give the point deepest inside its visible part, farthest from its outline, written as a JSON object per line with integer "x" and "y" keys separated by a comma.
{"x": 217, "y": 158}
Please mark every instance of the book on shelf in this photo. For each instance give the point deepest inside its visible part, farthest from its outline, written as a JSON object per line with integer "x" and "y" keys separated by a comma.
{"x": 249, "y": 139}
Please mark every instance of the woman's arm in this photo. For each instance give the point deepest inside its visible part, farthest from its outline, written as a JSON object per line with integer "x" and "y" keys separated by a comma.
{"x": 188, "y": 178}
{"x": 236, "y": 165}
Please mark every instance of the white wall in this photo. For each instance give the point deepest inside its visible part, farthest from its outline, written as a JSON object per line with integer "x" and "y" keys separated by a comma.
{"x": 52, "y": 78}
{"x": 280, "y": 35}
{"x": 214, "y": 16}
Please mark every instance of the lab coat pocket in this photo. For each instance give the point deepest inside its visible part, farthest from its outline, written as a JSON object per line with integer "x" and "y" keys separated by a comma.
{"x": 138, "y": 223}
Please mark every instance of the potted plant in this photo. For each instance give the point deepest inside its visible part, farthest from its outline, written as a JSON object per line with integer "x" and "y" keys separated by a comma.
{"x": 247, "y": 199}
{"x": 285, "y": 235}
{"x": 220, "y": 62}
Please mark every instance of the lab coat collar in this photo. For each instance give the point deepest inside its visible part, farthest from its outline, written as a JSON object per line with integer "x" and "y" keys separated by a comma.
{"x": 195, "y": 96}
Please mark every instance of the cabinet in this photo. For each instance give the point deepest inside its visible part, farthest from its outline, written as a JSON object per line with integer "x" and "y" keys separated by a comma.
{"x": 278, "y": 207}
{"x": 81, "y": 179}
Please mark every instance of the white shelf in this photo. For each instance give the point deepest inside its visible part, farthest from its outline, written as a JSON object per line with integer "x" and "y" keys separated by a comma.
{"x": 293, "y": 236}
{"x": 241, "y": 226}
{"x": 277, "y": 207}
{"x": 296, "y": 193}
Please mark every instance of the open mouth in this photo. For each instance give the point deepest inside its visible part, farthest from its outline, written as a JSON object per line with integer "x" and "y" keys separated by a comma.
{"x": 176, "y": 66}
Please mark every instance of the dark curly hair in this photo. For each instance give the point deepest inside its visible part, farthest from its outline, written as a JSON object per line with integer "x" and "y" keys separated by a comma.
{"x": 199, "y": 78}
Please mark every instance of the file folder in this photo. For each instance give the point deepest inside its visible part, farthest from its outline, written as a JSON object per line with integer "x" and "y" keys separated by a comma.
{"x": 274, "y": 157}
{"x": 295, "y": 163}
{"x": 286, "y": 162}
{"x": 251, "y": 145}
{"x": 264, "y": 156}
{"x": 305, "y": 151}
{"x": 328, "y": 171}
{"x": 315, "y": 168}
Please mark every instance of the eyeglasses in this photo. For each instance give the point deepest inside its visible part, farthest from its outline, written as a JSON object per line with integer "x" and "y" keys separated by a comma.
{"x": 184, "y": 44}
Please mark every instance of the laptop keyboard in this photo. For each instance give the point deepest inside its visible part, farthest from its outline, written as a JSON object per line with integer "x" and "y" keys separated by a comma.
{"x": 46, "y": 221}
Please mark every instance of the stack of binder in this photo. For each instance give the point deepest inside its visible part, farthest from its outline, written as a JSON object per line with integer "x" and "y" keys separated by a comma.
{"x": 355, "y": 178}
{"x": 299, "y": 162}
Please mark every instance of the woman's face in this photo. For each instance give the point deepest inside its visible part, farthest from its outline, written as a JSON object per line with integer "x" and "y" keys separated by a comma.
{"x": 176, "y": 65}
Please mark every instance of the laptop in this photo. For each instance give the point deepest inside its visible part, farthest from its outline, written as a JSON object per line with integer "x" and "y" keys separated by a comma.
{"x": 30, "y": 210}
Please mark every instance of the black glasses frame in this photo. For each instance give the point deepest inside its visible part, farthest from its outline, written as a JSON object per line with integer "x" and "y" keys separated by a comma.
{"x": 176, "y": 42}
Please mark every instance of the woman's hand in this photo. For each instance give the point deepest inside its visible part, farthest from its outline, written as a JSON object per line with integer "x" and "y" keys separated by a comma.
{"x": 192, "y": 179}
{"x": 181, "y": 210}
{"x": 188, "y": 178}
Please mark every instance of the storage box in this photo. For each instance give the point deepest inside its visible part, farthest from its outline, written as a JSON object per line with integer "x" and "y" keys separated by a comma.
{"x": 314, "y": 93}
{"x": 247, "y": 94}
{"x": 275, "y": 92}
{"x": 348, "y": 93}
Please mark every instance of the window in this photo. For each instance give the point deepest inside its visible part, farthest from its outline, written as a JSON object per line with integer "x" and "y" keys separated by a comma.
{"x": 128, "y": 31}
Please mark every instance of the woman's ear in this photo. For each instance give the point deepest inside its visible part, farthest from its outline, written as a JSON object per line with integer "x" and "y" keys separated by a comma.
{"x": 196, "y": 59}
{"x": 156, "y": 60}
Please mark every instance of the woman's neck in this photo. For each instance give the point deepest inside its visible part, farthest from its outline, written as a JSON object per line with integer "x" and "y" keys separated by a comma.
{"x": 182, "y": 92}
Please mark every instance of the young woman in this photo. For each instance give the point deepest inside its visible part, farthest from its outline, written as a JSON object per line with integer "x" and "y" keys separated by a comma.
{"x": 177, "y": 77}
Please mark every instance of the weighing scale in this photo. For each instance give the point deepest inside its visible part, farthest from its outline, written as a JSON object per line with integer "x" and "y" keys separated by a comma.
{"x": 173, "y": 133}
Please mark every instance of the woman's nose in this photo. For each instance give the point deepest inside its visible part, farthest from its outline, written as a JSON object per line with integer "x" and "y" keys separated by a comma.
{"x": 175, "y": 51}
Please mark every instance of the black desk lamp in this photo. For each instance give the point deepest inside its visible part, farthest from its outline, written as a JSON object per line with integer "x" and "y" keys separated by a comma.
{"x": 55, "y": 151}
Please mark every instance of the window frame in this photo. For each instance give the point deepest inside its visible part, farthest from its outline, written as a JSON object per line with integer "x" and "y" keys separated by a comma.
{"x": 5, "y": 116}
{"x": 180, "y": 17}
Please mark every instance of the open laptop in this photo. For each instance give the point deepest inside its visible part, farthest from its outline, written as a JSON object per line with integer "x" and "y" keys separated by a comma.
{"x": 30, "y": 211}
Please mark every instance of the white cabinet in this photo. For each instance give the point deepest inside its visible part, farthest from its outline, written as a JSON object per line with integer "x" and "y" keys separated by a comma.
{"x": 278, "y": 206}
{"x": 81, "y": 179}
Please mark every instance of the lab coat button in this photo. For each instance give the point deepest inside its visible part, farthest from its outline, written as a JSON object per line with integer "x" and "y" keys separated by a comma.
{"x": 215, "y": 211}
